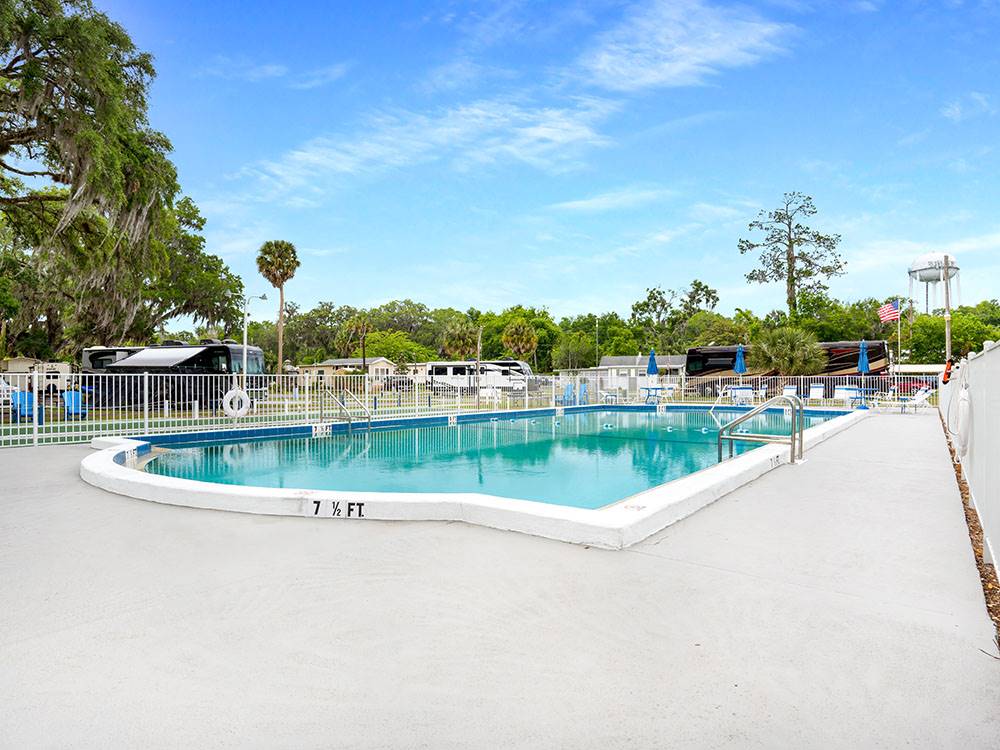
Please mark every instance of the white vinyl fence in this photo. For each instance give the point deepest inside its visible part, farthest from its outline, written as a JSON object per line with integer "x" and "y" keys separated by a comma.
{"x": 41, "y": 408}
{"x": 980, "y": 374}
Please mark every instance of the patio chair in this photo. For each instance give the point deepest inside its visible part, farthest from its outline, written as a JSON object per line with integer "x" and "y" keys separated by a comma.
{"x": 584, "y": 399}
{"x": 668, "y": 392}
{"x": 73, "y": 404}
{"x": 567, "y": 398}
{"x": 817, "y": 392}
{"x": 887, "y": 395}
{"x": 22, "y": 405}
{"x": 918, "y": 399}
{"x": 741, "y": 395}
{"x": 789, "y": 390}
{"x": 849, "y": 394}
{"x": 609, "y": 396}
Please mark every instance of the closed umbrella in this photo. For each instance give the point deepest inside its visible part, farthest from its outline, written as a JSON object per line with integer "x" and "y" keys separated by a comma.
{"x": 740, "y": 366}
{"x": 863, "y": 368}
{"x": 651, "y": 372}
{"x": 651, "y": 368}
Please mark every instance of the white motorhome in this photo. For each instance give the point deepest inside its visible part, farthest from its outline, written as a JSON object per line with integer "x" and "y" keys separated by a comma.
{"x": 504, "y": 374}
{"x": 52, "y": 376}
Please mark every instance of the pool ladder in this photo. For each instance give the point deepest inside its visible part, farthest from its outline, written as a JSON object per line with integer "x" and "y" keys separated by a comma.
{"x": 342, "y": 405}
{"x": 794, "y": 439}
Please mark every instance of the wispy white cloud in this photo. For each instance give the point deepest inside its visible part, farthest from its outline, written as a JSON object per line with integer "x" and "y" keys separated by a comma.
{"x": 321, "y": 76}
{"x": 490, "y": 24}
{"x": 629, "y": 197}
{"x": 899, "y": 252}
{"x": 723, "y": 212}
{"x": 324, "y": 252}
{"x": 485, "y": 132}
{"x": 911, "y": 139}
{"x": 973, "y": 104}
{"x": 242, "y": 68}
{"x": 679, "y": 43}
{"x": 462, "y": 73}
{"x": 452, "y": 76}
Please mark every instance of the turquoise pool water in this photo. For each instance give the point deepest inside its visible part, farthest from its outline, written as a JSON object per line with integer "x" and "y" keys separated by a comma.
{"x": 585, "y": 460}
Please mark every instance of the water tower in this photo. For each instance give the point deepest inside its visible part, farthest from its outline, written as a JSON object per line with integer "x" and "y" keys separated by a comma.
{"x": 932, "y": 270}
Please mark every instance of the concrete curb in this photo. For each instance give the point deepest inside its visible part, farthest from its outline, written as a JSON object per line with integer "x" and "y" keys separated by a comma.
{"x": 114, "y": 468}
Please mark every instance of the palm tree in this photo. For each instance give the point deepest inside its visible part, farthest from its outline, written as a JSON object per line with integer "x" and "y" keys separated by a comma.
{"x": 459, "y": 339}
{"x": 520, "y": 338}
{"x": 787, "y": 351}
{"x": 277, "y": 262}
{"x": 357, "y": 330}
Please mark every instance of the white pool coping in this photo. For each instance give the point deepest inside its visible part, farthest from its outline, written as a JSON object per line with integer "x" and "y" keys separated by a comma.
{"x": 614, "y": 526}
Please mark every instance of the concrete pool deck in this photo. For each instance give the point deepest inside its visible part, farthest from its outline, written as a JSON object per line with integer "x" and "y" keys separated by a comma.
{"x": 831, "y": 604}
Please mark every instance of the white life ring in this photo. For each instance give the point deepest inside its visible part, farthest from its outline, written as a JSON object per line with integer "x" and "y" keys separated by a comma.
{"x": 964, "y": 414}
{"x": 236, "y": 403}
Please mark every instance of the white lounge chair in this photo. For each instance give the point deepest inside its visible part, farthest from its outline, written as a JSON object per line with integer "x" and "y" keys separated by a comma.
{"x": 817, "y": 391}
{"x": 790, "y": 390}
{"x": 919, "y": 399}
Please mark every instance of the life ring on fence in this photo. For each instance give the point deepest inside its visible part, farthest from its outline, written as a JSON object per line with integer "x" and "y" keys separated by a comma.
{"x": 236, "y": 403}
{"x": 964, "y": 420}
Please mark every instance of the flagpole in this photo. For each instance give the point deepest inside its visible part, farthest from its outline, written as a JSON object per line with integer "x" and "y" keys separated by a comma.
{"x": 899, "y": 334}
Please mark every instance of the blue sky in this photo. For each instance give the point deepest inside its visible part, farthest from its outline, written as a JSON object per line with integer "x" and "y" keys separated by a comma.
{"x": 572, "y": 154}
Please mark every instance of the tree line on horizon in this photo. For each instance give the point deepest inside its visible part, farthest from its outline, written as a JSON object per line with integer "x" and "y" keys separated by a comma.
{"x": 99, "y": 245}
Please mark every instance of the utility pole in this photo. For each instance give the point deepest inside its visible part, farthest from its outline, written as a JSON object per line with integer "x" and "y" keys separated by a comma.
{"x": 479, "y": 356}
{"x": 597, "y": 341}
{"x": 947, "y": 311}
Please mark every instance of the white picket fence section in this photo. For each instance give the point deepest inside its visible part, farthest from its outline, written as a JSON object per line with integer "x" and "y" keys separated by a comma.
{"x": 37, "y": 408}
{"x": 980, "y": 373}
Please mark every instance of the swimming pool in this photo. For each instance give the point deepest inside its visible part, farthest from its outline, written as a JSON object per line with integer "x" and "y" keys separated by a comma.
{"x": 587, "y": 459}
{"x": 594, "y": 475}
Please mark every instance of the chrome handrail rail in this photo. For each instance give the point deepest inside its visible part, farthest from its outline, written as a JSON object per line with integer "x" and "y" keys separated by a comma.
{"x": 795, "y": 438}
{"x": 343, "y": 407}
{"x": 364, "y": 408}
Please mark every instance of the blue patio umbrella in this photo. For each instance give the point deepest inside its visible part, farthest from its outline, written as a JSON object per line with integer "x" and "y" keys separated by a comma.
{"x": 651, "y": 368}
{"x": 863, "y": 368}
{"x": 740, "y": 366}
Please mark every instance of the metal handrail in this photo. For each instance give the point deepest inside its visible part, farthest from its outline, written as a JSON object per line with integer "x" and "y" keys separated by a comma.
{"x": 795, "y": 438}
{"x": 723, "y": 391}
{"x": 343, "y": 407}
{"x": 360, "y": 403}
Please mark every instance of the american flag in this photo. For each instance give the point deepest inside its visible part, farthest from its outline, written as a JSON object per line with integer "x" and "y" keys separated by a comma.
{"x": 889, "y": 311}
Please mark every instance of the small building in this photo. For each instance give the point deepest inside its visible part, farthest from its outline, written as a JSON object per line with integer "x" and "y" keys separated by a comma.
{"x": 379, "y": 366}
{"x": 632, "y": 366}
{"x": 625, "y": 371}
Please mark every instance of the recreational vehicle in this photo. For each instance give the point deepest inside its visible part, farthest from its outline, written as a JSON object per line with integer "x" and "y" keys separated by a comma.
{"x": 53, "y": 377}
{"x": 842, "y": 359}
{"x": 97, "y": 358}
{"x": 503, "y": 374}
{"x": 210, "y": 357}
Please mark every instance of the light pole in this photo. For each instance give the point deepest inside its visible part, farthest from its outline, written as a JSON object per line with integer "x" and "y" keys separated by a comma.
{"x": 946, "y": 278}
{"x": 246, "y": 304}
